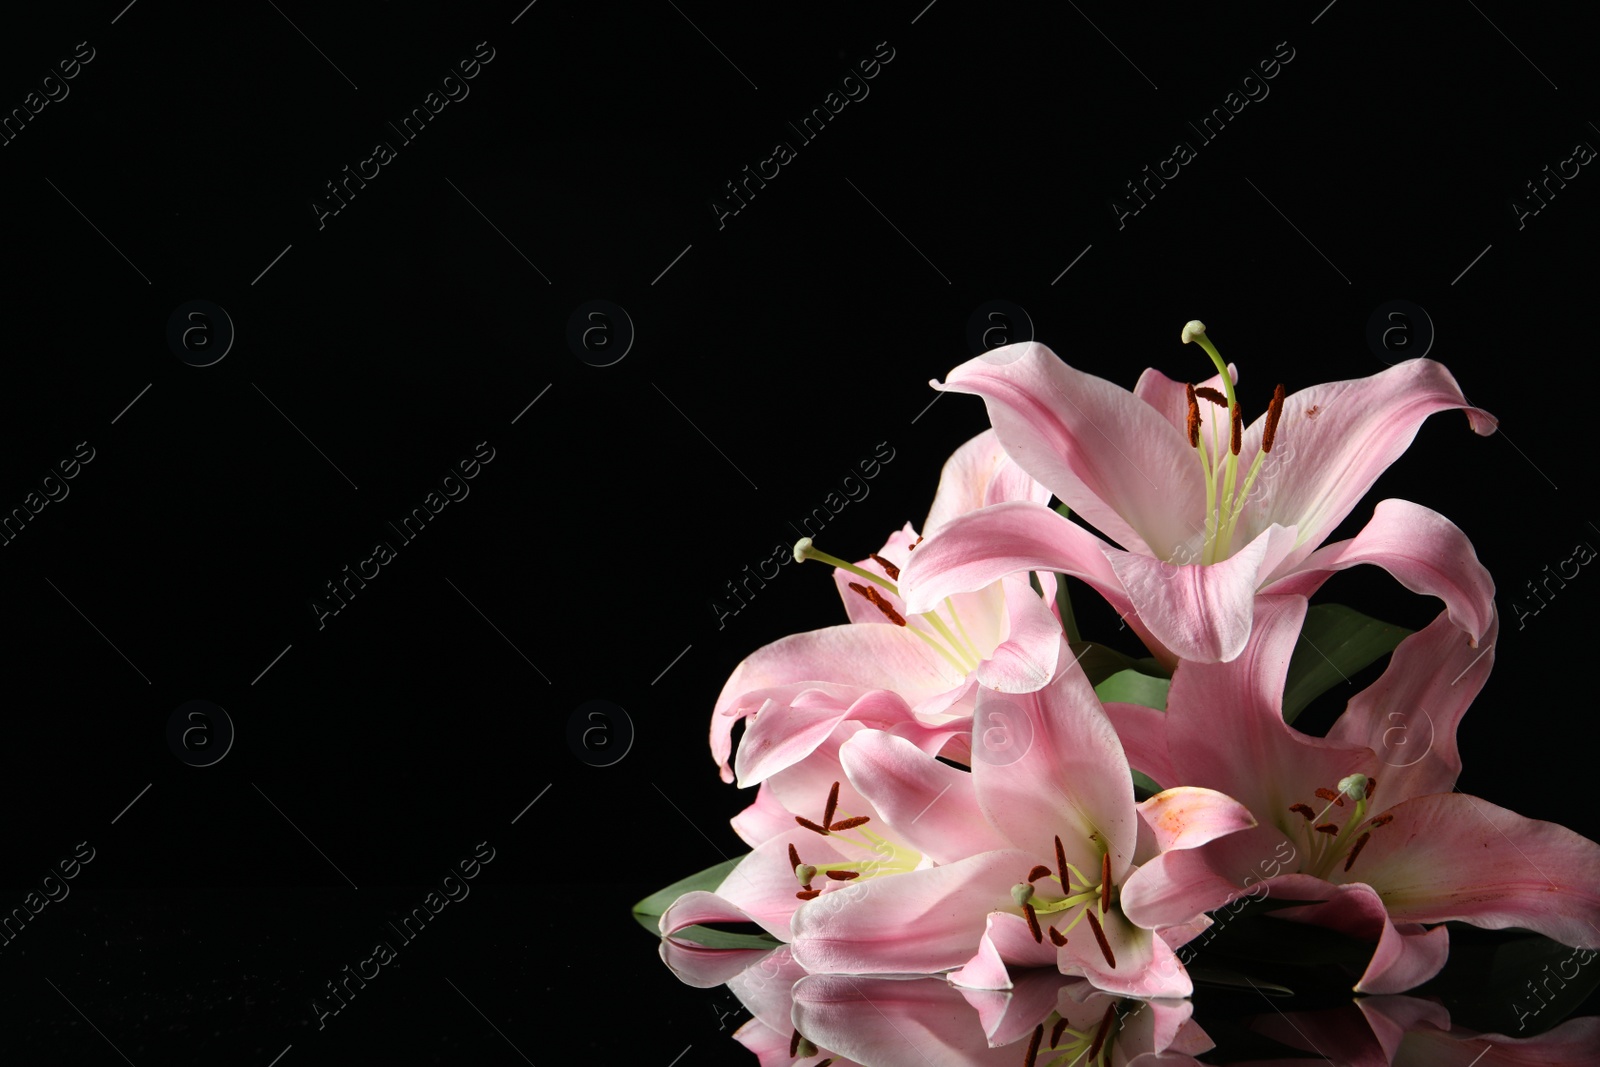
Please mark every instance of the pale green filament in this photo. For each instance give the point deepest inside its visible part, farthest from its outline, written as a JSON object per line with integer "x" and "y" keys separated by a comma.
{"x": 963, "y": 657}
{"x": 971, "y": 646}
{"x": 1224, "y": 504}
{"x": 1073, "y": 1053}
{"x": 899, "y": 860}
{"x": 804, "y": 550}
{"x": 1326, "y": 851}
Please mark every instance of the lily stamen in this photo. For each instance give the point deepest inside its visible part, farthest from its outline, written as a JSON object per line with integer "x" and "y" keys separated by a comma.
{"x": 877, "y": 600}
{"x": 1033, "y": 923}
{"x": 953, "y": 651}
{"x": 1100, "y": 936}
{"x": 1104, "y": 1031}
{"x": 1224, "y": 504}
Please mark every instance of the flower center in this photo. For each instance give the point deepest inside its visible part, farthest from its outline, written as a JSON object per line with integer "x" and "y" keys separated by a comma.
{"x": 1086, "y": 1048}
{"x": 961, "y": 652}
{"x": 892, "y": 858}
{"x": 1225, "y": 495}
{"x": 1075, "y": 890}
{"x": 1327, "y": 841}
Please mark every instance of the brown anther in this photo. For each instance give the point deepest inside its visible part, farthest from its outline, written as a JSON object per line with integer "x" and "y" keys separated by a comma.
{"x": 1033, "y": 923}
{"x": 825, "y": 1062}
{"x": 1304, "y": 809}
{"x": 842, "y": 876}
{"x": 1205, "y": 392}
{"x": 1328, "y": 828}
{"x": 888, "y": 568}
{"x": 914, "y": 545}
{"x": 1192, "y": 426}
{"x": 1057, "y": 938}
{"x": 1274, "y": 413}
{"x": 1236, "y": 440}
{"x": 1032, "y": 1054}
{"x": 1328, "y": 794}
{"x": 1057, "y": 1030}
{"x": 876, "y": 599}
{"x": 794, "y": 1044}
{"x": 809, "y": 825}
{"x": 808, "y": 894}
{"x": 1061, "y": 861}
{"x": 1105, "y": 882}
{"x": 1355, "y": 850}
{"x": 794, "y": 856}
{"x": 833, "y": 804}
{"x": 1372, "y": 783}
{"x": 849, "y": 824}
{"x": 1100, "y": 936}
{"x": 1039, "y": 871}
{"x": 1382, "y": 820}
{"x": 1104, "y": 1032}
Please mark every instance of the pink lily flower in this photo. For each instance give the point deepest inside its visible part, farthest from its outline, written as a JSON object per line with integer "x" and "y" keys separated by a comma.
{"x": 1002, "y": 634}
{"x": 1364, "y": 821}
{"x": 1396, "y": 1031}
{"x": 813, "y": 831}
{"x": 1199, "y": 511}
{"x": 1032, "y": 852}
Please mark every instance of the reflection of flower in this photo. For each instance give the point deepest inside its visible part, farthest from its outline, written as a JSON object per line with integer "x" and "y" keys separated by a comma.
{"x": 1172, "y": 477}
{"x": 1394, "y": 1031}
{"x": 1384, "y": 847}
{"x": 1032, "y": 856}
{"x": 1047, "y": 1020}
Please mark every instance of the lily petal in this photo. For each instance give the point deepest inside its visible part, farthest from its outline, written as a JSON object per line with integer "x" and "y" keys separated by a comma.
{"x": 1031, "y": 651}
{"x": 1423, "y": 550}
{"x": 978, "y": 474}
{"x": 864, "y": 657}
{"x": 1146, "y": 966}
{"x": 1189, "y": 816}
{"x": 780, "y": 737}
{"x": 765, "y": 818}
{"x": 1406, "y": 955}
{"x": 1111, "y": 457}
{"x": 1453, "y": 856}
{"x": 1143, "y": 733}
{"x": 929, "y": 806}
{"x": 1201, "y": 612}
{"x": 1360, "y": 427}
{"x": 921, "y": 922}
{"x": 1410, "y": 714}
{"x": 1006, "y": 940}
{"x": 1049, "y": 763}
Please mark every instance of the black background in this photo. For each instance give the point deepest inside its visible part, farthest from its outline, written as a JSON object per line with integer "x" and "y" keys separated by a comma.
{"x": 773, "y": 352}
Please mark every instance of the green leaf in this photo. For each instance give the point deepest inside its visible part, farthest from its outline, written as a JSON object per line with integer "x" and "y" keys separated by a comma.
{"x": 1335, "y": 642}
{"x": 648, "y": 911}
{"x": 1132, "y": 687}
{"x": 724, "y": 939}
{"x": 1100, "y": 662}
{"x": 1144, "y": 787}
{"x": 1233, "y": 979}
